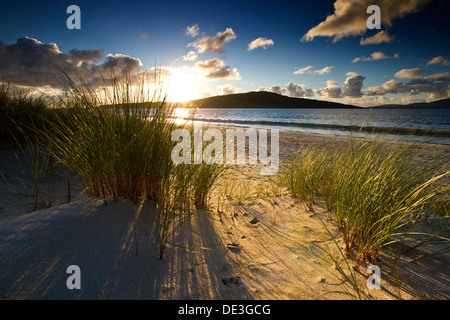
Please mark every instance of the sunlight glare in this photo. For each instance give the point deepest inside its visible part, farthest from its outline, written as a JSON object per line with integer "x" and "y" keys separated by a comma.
{"x": 182, "y": 115}
{"x": 181, "y": 87}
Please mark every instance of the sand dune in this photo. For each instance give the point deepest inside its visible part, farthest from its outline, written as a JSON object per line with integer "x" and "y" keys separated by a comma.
{"x": 263, "y": 248}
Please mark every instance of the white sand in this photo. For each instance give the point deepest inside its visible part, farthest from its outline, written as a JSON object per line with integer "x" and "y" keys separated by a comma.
{"x": 217, "y": 255}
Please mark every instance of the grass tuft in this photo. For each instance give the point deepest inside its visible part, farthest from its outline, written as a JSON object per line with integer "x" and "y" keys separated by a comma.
{"x": 371, "y": 191}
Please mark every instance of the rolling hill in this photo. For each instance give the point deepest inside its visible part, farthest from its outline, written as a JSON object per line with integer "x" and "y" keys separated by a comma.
{"x": 262, "y": 99}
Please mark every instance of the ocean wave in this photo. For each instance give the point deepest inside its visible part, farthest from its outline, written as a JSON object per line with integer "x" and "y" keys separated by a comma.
{"x": 335, "y": 127}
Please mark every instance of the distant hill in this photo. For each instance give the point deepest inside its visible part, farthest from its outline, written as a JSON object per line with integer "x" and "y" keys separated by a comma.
{"x": 439, "y": 104}
{"x": 262, "y": 99}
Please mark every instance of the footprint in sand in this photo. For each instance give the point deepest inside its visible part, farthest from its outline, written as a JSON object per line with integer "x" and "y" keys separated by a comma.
{"x": 232, "y": 282}
{"x": 234, "y": 247}
{"x": 254, "y": 220}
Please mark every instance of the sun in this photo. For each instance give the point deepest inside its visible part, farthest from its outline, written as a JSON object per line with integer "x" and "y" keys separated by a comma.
{"x": 181, "y": 87}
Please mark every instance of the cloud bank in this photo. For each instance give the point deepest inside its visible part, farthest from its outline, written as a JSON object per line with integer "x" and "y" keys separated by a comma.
{"x": 435, "y": 85}
{"x": 30, "y": 62}
{"x": 273, "y": 89}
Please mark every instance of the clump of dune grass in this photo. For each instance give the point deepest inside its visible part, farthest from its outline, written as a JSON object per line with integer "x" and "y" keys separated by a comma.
{"x": 372, "y": 191}
{"x": 19, "y": 111}
{"x": 39, "y": 163}
{"x": 305, "y": 175}
{"x": 115, "y": 137}
{"x": 375, "y": 192}
{"x": 36, "y": 165}
{"x": 204, "y": 181}
{"x": 236, "y": 190}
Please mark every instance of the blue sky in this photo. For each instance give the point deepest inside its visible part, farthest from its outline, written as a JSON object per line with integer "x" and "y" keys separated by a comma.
{"x": 313, "y": 49}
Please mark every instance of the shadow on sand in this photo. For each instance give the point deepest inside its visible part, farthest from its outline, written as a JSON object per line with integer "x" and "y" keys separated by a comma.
{"x": 116, "y": 257}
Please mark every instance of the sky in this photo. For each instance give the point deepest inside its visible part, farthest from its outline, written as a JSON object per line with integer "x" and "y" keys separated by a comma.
{"x": 311, "y": 49}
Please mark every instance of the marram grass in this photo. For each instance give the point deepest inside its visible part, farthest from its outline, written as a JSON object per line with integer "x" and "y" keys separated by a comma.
{"x": 372, "y": 191}
{"x": 115, "y": 137}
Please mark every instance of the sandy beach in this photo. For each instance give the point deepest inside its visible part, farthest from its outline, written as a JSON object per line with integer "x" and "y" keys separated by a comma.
{"x": 265, "y": 246}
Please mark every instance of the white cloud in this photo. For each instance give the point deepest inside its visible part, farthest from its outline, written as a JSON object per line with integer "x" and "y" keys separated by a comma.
{"x": 228, "y": 89}
{"x": 353, "y": 85}
{"x": 190, "y": 56}
{"x": 349, "y": 17}
{"x": 439, "y": 60}
{"x": 292, "y": 89}
{"x": 438, "y": 76}
{"x": 324, "y": 70}
{"x": 209, "y": 64}
{"x": 416, "y": 73}
{"x": 409, "y": 100}
{"x": 392, "y": 86}
{"x": 370, "y": 101}
{"x": 298, "y": 91}
{"x": 192, "y": 31}
{"x": 332, "y": 90}
{"x": 215, "y": 44}
{"x": 273, "y": 89}
{"x": 309, "y": 70}
{"x": 378, "y": 55}
{"x": 303, "y": 70}
{"x": 215, "y": 69}
{"x": 260, "y": 43}
{"x": 380, "y": 37}
{"x": 408, "y": 73}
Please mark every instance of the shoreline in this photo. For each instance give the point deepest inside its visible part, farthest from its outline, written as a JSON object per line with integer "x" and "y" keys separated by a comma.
{"x": 404, "y": 135}
{"x": 425, "y": 125}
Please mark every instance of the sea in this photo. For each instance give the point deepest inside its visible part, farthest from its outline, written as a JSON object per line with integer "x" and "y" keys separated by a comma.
{"x": 427, "y": 125}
